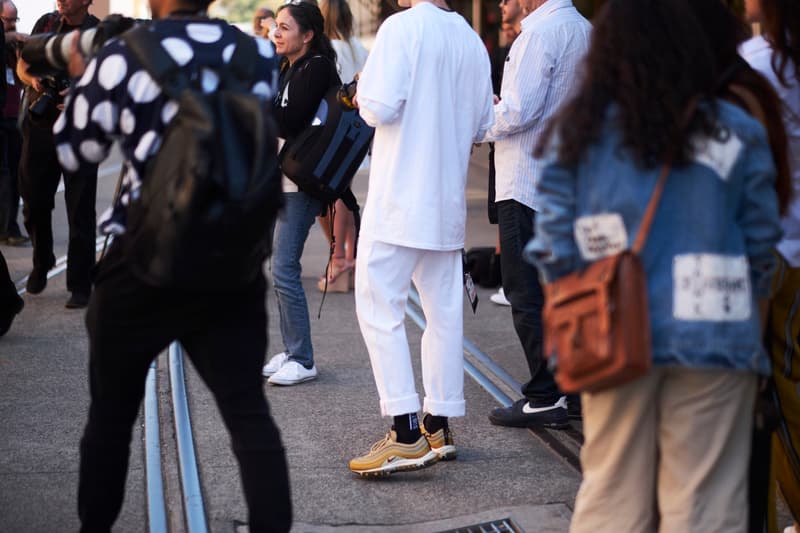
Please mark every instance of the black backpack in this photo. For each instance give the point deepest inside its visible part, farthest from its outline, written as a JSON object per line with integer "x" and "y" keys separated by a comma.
{"x": 211, "y": 193}
{"x": 323, "y": 159}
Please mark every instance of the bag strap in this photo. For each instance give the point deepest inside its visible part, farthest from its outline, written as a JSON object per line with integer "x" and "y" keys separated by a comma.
{"x": 750, "y": 101}
{"x": 650, "y": 213}
{"x": 171, "y": 77}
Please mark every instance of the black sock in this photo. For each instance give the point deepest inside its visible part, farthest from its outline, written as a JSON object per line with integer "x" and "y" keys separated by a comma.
{"x": 407, "y": 428}
{"x": 434, "y": 423}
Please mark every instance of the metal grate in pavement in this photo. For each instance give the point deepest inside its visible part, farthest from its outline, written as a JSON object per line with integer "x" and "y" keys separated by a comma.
{"x": 505, "y": 525}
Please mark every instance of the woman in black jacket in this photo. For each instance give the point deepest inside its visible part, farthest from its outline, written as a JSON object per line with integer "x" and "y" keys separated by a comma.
{"x": 308, "y": 70}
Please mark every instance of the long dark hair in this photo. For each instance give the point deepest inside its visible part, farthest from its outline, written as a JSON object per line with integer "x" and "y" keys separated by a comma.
{"x": 338, "y": 19}
{"x": 782, "y": 31}
{"x": 726, "y": 32}
{"x": 649, "y": 59}
{"x": 309, "y": 18}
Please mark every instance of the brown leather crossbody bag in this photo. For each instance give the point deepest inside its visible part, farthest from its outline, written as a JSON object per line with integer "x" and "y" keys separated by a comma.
{"x": 596, "y": 321}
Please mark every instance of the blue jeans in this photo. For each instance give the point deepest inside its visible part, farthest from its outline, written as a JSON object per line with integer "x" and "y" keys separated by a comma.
{"x": 291, "y": 231}
{"x": 521, "y": 287}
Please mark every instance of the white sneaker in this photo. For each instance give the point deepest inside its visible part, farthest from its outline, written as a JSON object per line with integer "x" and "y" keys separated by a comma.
{"x": 292, "y": 373}
{"x": 275, "y": 363}
{"x": 499, "y": 297}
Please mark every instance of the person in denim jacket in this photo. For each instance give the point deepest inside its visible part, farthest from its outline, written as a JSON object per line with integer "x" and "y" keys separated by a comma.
{"x": 668, "y": 451}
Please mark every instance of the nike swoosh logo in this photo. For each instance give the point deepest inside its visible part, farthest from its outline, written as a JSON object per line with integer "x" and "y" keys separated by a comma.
{"x": 528, "y": 410}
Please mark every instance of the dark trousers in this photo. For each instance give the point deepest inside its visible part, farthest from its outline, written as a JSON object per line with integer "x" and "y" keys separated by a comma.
{"x": 8, "y": 292}
{"x": 521, "y": 287}
{"x": 39, "y": 174}
{"x": 224, "y": 335}
{"x": 10, "y": 150}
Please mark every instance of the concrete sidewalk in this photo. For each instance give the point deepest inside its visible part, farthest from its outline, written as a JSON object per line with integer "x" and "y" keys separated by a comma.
{"x": 500, "y": 473}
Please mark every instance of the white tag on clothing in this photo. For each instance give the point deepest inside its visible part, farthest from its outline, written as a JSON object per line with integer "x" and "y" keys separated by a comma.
{"x": 718, "y": 153}
{"x": 601, "y": 235}
{"x": 711, "y": 287}
{"x": 472, "y": 293}
{"x": 469, "y": 285}
{"x": 285, "y": 95}
{"x": 10, "y": 76}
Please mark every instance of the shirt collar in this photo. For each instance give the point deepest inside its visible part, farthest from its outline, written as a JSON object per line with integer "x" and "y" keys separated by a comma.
{"x": 543, "y": 12}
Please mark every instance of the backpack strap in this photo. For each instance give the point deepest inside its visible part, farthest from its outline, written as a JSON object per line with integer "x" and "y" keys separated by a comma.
{"x": 173, "y": 79}
{"x": 156, "y": 61}
{"x": 350, "y": 202}
{"x": 242, "y": 69}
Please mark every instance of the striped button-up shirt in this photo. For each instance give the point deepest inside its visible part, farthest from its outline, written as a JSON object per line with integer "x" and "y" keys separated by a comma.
{"x": 540, "y": 71}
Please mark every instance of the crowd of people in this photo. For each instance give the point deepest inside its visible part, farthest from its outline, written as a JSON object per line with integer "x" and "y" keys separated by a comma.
{"x": 585, "y": 119}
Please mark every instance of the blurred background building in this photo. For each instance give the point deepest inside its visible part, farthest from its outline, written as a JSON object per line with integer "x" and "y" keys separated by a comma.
{"x": 482, "y": 15}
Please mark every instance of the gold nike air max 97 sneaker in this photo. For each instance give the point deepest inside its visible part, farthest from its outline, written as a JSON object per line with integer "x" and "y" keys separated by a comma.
{"x": 441, "y": 442}
{"x": 388, "y": 455}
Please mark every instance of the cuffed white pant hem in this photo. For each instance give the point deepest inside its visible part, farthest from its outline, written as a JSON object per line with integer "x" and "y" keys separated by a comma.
{"x": 400, "y": 406}
{"x": 448, "y": 409}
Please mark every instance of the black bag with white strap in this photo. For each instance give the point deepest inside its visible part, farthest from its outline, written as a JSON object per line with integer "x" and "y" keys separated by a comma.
{"x": 211, "y": 193}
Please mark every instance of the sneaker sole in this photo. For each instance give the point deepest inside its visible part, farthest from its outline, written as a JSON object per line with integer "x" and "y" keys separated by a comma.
{"x": 289, "y": 382}
{"x": 403, "y": 465}
{"x": 446, "y": 453}
{"x": 525, "y": 424}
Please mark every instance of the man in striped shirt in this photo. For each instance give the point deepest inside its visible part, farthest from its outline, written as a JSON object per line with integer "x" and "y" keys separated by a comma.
{"x": 541, "y": 68}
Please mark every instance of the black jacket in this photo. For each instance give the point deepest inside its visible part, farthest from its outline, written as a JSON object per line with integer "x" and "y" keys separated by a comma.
{"x": 301, "y": 88}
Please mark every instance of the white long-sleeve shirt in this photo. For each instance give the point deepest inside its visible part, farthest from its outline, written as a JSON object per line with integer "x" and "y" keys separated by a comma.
{"x": 426, "y": 87}
{"x": 350, "y": 57}
{"x": 540, "y": 72}
{"x": 758, "y": 52}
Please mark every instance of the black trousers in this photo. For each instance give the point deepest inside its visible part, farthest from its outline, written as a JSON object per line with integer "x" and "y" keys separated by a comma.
{"x": 521, "y": 287}
{"x": 8, "y": 292}
{"x": 38, "y": 180}
{"x": 10, "y": 151}
{"x": 129, "y": 324}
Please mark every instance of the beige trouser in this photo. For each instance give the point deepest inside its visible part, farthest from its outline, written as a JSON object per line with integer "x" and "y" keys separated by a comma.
{"x": 668, "y": 452}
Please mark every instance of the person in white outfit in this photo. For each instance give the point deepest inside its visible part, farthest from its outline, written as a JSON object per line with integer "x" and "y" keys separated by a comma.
{"x": 426, "y": 88}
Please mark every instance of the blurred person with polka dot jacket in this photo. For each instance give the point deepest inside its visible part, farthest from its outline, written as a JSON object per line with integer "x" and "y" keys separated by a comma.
{"x": 130, "y": 322}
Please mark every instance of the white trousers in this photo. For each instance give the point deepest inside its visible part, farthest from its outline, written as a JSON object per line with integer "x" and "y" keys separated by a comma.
{"x": 383, "y": 277}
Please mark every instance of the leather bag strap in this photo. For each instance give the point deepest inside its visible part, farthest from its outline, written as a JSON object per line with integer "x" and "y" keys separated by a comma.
{"x": 650, "y": 213}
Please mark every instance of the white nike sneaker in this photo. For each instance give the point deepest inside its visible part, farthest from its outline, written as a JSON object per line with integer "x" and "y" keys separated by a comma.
{"x": 499, "y": 297}
{"x": 292, "y": 373}
{"x": 275, "y": 363}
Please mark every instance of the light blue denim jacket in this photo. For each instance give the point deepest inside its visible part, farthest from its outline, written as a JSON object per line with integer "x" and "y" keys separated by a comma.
{"x": 709, "y": 255}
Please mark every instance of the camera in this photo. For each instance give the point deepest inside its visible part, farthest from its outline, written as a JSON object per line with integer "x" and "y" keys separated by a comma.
{"x": 47, "y": 54}
{"x": 43, "y": 108}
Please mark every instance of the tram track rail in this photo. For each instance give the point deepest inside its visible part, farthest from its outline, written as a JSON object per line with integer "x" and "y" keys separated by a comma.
{"x": 493, "y": 378}
{"x": 162, "y": 516}
{"x": 194, "y": 516}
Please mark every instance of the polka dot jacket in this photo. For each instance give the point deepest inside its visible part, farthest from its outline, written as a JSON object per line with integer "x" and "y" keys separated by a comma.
{"x": 117, "y": 100}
